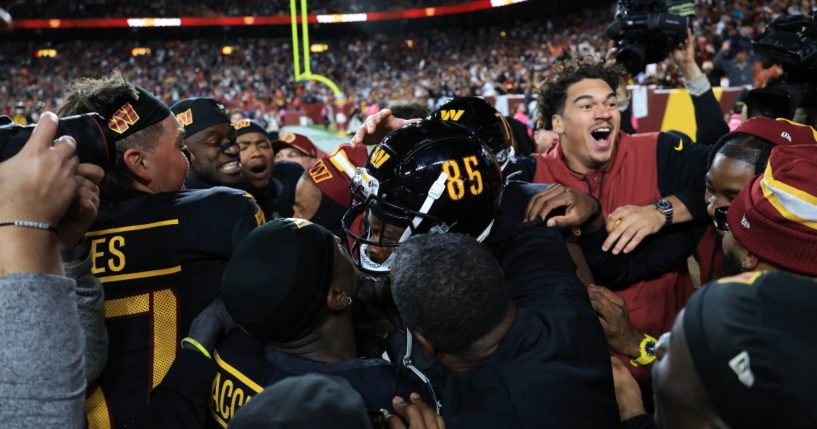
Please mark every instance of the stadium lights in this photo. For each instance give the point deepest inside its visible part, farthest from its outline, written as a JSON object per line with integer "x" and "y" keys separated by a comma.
{"x": 154, "y": 22}
{"x": 138, "y": 52}
{"x": 45, "y": 53}
{"x": 500, "y": 3}
{"x": 317, "y": 48}
{"x": 342, "y": 17}
{"x": 230, "y": 21}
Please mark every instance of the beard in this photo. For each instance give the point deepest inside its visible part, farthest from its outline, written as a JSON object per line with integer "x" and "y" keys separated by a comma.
{"x": 731, "y": 264}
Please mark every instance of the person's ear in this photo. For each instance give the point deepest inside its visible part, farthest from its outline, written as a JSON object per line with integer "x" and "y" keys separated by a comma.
{"x": 337, "y": 299}
{"x": 749, "y": 262}
{"x": 136, "y": 162}
{"x": 557, "y": 123}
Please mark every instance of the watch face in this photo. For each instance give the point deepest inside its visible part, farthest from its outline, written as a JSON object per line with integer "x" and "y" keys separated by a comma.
{"x": 649, "y": 348}
{"x": 663, "y": 205}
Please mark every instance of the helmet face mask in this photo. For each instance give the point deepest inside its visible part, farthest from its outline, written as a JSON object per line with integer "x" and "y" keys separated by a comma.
{"x": 431, "y": 177}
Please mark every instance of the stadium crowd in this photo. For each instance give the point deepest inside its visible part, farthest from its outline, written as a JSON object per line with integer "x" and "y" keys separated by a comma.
{"x": 39, "y": 9}
{"x": 420, "y": 67}
{"x": 164, "y": 264}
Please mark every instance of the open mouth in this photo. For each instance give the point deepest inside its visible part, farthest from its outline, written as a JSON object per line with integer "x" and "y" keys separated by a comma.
{"x": 232, "y": 167}
{"x": 258, "y": 168}
{"x": 601, "y": 134}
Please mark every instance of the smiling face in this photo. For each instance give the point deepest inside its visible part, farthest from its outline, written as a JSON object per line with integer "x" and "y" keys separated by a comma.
{"x": 256, "y": 159}
{"x": 211, "y": 163}
{"x": 724, "y": 180}
{"x": 589, "y": 125}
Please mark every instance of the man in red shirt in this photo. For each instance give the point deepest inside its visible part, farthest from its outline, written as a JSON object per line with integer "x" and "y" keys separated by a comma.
{"x": 645, "y": 182}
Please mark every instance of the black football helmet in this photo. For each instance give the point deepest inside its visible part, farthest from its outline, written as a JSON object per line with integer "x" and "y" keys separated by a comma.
{"x": 481, "y": 118}
{"x": 429, "y": 177}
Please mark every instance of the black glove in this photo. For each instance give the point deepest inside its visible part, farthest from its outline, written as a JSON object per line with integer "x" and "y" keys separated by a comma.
{"x": 213, "y": 323}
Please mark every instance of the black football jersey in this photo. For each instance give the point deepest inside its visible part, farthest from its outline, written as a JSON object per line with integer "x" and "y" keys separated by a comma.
{"x": 160, "y": 258}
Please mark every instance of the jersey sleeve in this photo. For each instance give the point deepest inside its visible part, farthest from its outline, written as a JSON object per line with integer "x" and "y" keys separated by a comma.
{"x": 682, "y": 172}
{"x": 656, "y": 255}
{"x": 538, "y": 267}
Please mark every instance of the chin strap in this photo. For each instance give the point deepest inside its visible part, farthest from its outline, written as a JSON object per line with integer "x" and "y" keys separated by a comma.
{"x": 484, "y": 234}
{"x": 368, "y": 265}
{"x": 434, "y": 193}
{"x": 409, "y": 363}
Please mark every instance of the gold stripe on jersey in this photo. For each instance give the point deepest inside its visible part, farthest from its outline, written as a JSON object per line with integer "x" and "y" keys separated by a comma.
{"x": 230, "y": 391}
{"x": 165, "y": 325}
{"x": 129, "y": 306}
{"x": 237, "y": 374}
{"x": 133, "y": 228}
{"x": 96, "y": 410}
{"x": 218, "y": 419}
{"x": 162, "y": 307}
{"x": 140, "y": 275}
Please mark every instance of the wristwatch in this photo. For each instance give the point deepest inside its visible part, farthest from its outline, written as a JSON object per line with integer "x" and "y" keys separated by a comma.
{"x": 647, "y": 350}
{"x": 665, "y": 207}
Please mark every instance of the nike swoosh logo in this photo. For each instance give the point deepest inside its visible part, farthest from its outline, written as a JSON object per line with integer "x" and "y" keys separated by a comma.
{"x": 680, "y": 146}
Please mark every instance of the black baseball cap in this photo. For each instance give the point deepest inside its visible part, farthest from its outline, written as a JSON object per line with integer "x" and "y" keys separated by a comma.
{"x": 277, "y": 281}
{"x": 246, "y": 126}
{"x": 199, "y": 113}
{"x": 753, "y": 341}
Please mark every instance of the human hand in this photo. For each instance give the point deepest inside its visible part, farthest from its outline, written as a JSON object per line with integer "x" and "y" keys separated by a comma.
{"x": 38, "y": 183}
{"x": 628, "y": 394}
{"x": 212, "y": 324}
{"x": 83, "y": 210}
{"x": 684, "y": 58}
{"x": 579, "y": 207}
{"x": 610, "y": 57}
{"x": 615, "y": 321}
{"x": 418, "y": 414}
{"x": 378, "y": 126}
{"x": 628, "y": 225}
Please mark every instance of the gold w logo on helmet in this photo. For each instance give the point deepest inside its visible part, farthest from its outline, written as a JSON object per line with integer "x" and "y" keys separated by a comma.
{"x": 451, "y": 115}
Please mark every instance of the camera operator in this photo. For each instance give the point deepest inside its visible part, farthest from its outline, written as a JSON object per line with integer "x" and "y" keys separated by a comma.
{"x": 49, "y": 200}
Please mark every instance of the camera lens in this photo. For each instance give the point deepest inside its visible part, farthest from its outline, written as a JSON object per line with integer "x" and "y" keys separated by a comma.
{"x": 631, "y": 57}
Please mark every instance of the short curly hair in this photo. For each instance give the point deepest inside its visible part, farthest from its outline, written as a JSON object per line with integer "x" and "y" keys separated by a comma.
{"x": 553, "y": 91}
{"x": 450, "y": 288}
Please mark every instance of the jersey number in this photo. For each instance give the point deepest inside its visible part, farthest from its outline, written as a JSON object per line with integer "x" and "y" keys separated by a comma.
{"x": 456, "y": 184}
{"x": 161, "y": 308}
